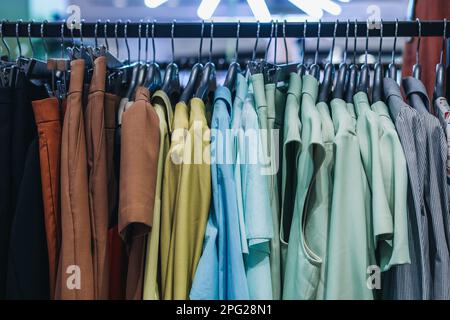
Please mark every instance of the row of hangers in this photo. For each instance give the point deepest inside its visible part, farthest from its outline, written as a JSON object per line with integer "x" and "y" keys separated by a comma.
{"x": 124, "y": 77}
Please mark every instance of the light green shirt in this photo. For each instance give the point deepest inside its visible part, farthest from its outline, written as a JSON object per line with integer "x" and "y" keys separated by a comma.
{"x": 393, "y": 251}
{"x": 319, "y": 203}
{"x": 273, "y": 147}
{"x": 291, "y": 152}
{"x": 368, "y": 132}
{"x": 302, "y": 263}
{"x": 348, "y": 257}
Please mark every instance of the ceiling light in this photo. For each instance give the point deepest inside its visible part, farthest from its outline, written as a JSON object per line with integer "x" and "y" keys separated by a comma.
{"x": 154, "y": 3}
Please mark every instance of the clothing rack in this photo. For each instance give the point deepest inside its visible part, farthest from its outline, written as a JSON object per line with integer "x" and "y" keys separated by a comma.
{"x": 223, "y": 29}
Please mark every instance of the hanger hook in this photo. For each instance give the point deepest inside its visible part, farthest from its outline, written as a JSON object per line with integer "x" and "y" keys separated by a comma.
{"x": 305, "y": 25}
{"x": 258, "y": 28}
{"x": 236, "y": 49}
{"x": 29, "y": 37}
{"x": 146, "y": 40}
{"x": 366, "y": 51}
{"x": 419, "y": 25}
{"x": 275, "y": 43}
{"x": 115, "y": 35}
{"x": 172, "y": 34}
{"x": 444, "y": 39}
{"x": 96, "y": 33}
{"x": 201, "y": 42}
{"x": 286, "y": 50}
{"x": 71, "y": 33}
{"x": 105, "y": 31}
{"x": 17, "y": 37}
{"x": 44, "y": 42}
{"x": 334, "y": 40}
{"x": 125, "y": 31}
{"x": 355, "y": 41}
{"x": 153, "y": 41}
{"x": 316, "y": 57}
{"x": 395, "y": 41}
{"x": 346, "y": 40}
{"x": 3, "y": 39}
{"x": 139, "y": 38}
{"x": 62, "y": 38}
{"x": 81, "y": 33}
{"x": 270, "y": 39}
{"x": 381, "y": 41}
{"x": 211, "y": 40}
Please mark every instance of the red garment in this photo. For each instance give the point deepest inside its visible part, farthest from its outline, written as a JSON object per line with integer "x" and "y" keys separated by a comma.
{"x": 118, "y": 261}
{"x": 430, "y": 47}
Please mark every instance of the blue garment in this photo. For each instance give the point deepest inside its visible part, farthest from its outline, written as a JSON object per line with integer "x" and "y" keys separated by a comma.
{"x": 238, "y": 133}
{"x": 257, "y": 212}
{"x": 222, "y": 261}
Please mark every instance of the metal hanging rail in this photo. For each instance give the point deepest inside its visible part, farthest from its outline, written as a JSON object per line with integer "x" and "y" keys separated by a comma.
{"x": 222, "y": 29}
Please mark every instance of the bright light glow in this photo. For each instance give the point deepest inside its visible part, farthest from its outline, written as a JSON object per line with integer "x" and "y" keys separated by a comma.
{"x": 315, "y": 8}
{"x": 207, "y": 8}
{"x": 330, "y": 6}
{"x": 309, "y": 7}
{"x": 154, "y": 3}
{"x": 260, "y": 10}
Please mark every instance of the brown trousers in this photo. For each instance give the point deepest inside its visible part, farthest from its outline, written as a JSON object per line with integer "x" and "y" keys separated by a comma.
{"x": 75, "y": 273}
{"x": 48, "y": 122}
{"x": 138, "y": 172}
{"x": 98, "y": 178}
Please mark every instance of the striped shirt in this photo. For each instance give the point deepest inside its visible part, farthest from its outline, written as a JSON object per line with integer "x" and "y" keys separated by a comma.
{"x": 435, "y": 189}
{"x": 411, "y": 281}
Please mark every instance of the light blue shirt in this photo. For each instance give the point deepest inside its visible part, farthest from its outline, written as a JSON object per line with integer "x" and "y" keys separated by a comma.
{"x": 257, "y": 212}
{"x": 221, "y": 272}
{"x": 238, "y": 133}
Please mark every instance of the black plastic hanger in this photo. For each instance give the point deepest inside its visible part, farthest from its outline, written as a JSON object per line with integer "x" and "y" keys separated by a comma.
{"x": 339, "y": 88}
{"x": 208, "y": 79}
{"x": 135, "y": 67}
{"x": 392, "y": 68}
{"x": 353, "y": 71}
{"x": 171, "y": 83}
{"x": 314, "y": 69}
{"x": 328, "y": 74}
{"x": 153, "y": 78}
{"x": 142, "y": 66}
{"x": 5, "y": 63}
{"x": 301, "y": 68}
{"x": 364, "y": 77}
{"x": 377, "y": 88}
{"x": 234, "y": 69}
{"x": 439, "y": 87}
{"x": 196, "y": 72}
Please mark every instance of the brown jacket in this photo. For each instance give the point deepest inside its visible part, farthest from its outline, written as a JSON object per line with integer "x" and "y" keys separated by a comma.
{"x": 75, "y": 273}
{"x": 98, "y": 179}
{"x": 47, "y": 116}
{"x": 138, "y": 172}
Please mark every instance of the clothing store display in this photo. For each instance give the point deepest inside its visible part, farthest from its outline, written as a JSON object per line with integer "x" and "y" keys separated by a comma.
{"x": 266, "y": 186}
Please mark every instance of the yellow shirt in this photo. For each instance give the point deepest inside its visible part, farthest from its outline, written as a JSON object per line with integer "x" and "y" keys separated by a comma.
{"x": 191, "y": 206}
{"x": 172, "y": 173}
